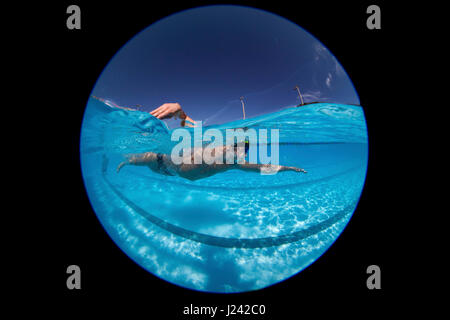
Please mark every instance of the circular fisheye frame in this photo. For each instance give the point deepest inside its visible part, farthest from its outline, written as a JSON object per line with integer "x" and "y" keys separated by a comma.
{"x": 224, "y": 149}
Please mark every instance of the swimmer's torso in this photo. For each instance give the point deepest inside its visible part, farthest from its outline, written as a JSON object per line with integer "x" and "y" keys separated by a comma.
{"x": 199, "y": 163}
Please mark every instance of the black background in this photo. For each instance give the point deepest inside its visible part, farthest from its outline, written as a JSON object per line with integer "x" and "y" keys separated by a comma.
{"x": 65, "y": 65}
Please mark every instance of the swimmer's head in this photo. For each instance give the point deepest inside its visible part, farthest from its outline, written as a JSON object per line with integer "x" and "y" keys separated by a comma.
{"x": 246, "y": 145}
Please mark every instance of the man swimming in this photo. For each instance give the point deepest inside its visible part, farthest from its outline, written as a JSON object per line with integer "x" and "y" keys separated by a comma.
{"x": 188, "y": 169}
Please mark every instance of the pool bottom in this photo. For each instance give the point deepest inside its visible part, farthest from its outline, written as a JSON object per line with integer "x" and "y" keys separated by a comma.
{"x": 227, "y": 242}
{"x": 195, "y": 265}
{"x": 224, "y": 264}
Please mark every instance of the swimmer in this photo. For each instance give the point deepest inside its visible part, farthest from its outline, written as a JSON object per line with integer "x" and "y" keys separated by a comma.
{"x": 163, "y": 164}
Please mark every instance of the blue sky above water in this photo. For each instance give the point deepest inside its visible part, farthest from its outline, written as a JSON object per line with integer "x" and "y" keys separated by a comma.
{"x": 207, "y": 58}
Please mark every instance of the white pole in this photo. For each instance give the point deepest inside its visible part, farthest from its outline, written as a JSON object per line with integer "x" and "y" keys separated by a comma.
{"x": 299, "y": 94}
{"x": 243, "y": 108}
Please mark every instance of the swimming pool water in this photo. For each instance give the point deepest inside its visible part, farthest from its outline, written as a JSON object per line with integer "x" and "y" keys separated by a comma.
{"x": 235, "y": 231}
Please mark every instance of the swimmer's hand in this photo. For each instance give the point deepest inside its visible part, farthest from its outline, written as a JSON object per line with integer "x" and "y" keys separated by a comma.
{"x": 169, "y": 110}
{"x": 268, "y": 168}
{"x": 286, "y": 168}
{"x": 172, "y": 110}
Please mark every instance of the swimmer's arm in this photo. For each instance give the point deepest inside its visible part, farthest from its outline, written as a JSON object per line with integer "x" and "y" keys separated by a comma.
{"x": 286, "y": 168}
{"x": 267, "y": 167}
{"x": 173, "y": 110}
{"x": 187, "y": 122}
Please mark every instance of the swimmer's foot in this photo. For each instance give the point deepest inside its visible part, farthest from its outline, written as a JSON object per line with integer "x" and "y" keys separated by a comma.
{"x": 121, "y": 165}
{"x": 300, "y": 170}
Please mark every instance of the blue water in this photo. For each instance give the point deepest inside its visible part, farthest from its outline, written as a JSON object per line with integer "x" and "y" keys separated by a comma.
{"x": 235, "y": 231}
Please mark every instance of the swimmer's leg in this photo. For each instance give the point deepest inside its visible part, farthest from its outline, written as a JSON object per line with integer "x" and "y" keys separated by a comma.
{"x": 141, "y": 159}
{"x": 121, "y": 165}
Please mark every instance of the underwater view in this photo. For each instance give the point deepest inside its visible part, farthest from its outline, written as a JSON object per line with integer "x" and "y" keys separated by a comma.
{"x": 234, "y": 231}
